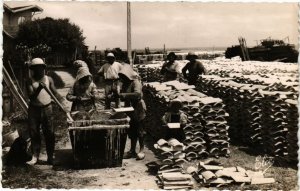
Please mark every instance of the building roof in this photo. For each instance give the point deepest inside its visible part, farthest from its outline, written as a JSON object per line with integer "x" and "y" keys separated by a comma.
{"x": 33, "y": 8}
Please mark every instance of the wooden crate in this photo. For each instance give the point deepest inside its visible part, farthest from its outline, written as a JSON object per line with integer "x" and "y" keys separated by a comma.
{"x": 98, "y": 143}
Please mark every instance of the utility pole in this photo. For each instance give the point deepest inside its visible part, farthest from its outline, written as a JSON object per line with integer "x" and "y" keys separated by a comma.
{"x": 129, "y": 33}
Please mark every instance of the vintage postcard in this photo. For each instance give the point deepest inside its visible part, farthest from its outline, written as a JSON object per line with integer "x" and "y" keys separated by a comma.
{"x": 150, "y": 95}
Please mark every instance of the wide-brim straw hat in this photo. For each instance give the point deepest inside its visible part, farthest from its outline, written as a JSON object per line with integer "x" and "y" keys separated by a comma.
{"x": 191, "y": 55}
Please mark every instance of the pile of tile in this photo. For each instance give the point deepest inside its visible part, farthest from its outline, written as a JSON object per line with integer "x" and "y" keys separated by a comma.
{"x": 215, "y": 126}
{"x": 257, "y": 115}
{"x": 174, "y": 180}
{"x": 149, "y": 73}
{"x": 172, "y": 158}
{"x": 206, "y": 131}
{"x": 292, "y": 125}
{"x": 170, "y": 153}
{"x": 273, "y": 123}
{"x": 212, "y": 174}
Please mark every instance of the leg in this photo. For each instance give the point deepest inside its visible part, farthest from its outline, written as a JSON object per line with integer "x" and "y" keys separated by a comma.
{"x": 116, "y": 91}
{"x": 133, "y": 141}
{"x": 48, "y": 130}
{"x": 107, "y": 92}
{"x": 34, "y": 119}
{"x": 141, "y": 133}
{"x": 133, "y": 144}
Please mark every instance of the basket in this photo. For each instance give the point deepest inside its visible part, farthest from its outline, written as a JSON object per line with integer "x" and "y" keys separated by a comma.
{"x": 99, "y": 143}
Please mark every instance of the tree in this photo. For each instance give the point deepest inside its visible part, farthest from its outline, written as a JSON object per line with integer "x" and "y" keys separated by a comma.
{"x": 58, "y": 35}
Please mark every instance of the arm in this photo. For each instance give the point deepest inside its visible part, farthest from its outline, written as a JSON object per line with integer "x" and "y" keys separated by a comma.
{"x": 166, "y": 118}
{"x": 183, "y": 119}
{"x": 137, "y": 92}
{"x": 202, "y": 68}
{"x": 163, "y": 69}
{"x": 94, "y": 92}
{"x": 184, "y": 69}
{"x": 70, "y": 96}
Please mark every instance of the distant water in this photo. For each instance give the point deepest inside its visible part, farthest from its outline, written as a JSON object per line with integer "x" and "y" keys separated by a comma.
{"x": 194, "y": 49}
{"x": 198, "y": 49}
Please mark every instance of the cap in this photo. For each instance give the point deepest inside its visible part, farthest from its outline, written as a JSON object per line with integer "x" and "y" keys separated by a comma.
{"x": 110, "y": 55}
{"x": 37, "y": 61}
{"x": 191, "y": 55}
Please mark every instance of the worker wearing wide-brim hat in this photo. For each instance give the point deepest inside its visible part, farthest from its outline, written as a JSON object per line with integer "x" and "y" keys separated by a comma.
{"x": 40, "y": 110}
{"x": 109, "y": 73}
{"x": 194, "y": 68}
{"x": 170, "y": 68}
{"x": 175, "y": 115}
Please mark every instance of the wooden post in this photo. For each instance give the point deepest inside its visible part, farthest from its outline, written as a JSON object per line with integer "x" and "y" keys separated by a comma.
{"x": 95, "y": 57}
{"x": 129, "y": 33}
{"x": 242, "y": 48}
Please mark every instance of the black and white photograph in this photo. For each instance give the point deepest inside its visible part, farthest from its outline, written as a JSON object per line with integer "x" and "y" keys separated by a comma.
{"x": 150, "y": 95}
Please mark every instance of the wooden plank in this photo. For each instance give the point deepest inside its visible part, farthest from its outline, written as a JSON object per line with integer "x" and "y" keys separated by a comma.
{"x": 176, "y": 176}
{"x": 177, "y": 183}
{"x": 240, "y": 178}
{"x": 174, "y": 125}
{"x": 124, "y": 109}
{"x": 262, "y": 180}
{"x": 14, "y": 91}
{"x": 99, "y": 127}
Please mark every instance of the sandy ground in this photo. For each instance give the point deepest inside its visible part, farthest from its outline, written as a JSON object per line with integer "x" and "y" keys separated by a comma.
{"x": 132, "y": 175}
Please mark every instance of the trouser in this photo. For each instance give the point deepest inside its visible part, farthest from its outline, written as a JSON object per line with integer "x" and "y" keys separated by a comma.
{"x": 112, "y": 87}
{"x": 136, "y": 129}
{"x": 41, "y": 117}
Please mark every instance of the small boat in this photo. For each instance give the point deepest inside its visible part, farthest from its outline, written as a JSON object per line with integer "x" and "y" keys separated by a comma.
{"x": 268, "y": 50}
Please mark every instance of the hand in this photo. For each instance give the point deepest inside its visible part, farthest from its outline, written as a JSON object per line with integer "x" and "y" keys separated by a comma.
{"x": 117, "y": 95}
{"x": 121, "y": 96}
{"x": 42, "y": 84}
{"x": 109, "y": 96}
{"x": 78, "y": 98}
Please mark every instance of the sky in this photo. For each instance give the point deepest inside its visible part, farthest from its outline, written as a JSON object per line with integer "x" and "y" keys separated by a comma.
{"x": 175, "y": 24}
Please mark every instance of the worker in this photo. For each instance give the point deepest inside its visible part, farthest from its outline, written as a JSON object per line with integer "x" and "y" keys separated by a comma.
{"x": 131, "y": 93}
{"x": 194, "y": 68}
{"x": 40, "y": 110}
{"x": 175, "y": 115}
{"x": 109, "y": 72}
{"x": 170, "y": 68}
{"x": 83, "y": 93}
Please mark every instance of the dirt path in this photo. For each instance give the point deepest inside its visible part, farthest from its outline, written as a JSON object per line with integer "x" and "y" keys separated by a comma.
{"x": 66, "y": 77}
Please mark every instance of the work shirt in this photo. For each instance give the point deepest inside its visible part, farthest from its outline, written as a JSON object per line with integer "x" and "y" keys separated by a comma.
{"x": 88, "y": 93}
{"x": 110, "y": 71}
{"x": 195, "y": 69}
{"x": 170, "y": 70}
{"x": 43, "y": 97}
{"x": 171, "y": 117}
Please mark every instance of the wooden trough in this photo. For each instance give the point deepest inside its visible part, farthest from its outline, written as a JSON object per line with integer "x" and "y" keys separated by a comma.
{"x": 99, "y": 143}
